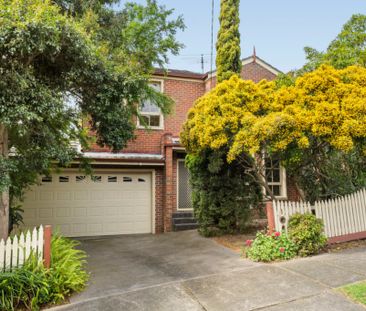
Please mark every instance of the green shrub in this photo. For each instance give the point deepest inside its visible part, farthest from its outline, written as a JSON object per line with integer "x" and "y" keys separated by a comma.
{"x": 32, "y": 286}
{"x": 26, "y": 287}
{"x": 306, "y": 231}
{"x": 67, "y": 273}
{"x": 268, "y": 248}
{"x": 221, "y": 194}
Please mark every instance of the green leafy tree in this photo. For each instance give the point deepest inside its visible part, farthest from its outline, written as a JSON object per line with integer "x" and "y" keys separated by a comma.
{"x": 228, "y": 41}
{"x": 348, "y": 48}
{"x": 316, "y": 127}
{"x": 58, "y": 69}
{"x": 331, "y": 173}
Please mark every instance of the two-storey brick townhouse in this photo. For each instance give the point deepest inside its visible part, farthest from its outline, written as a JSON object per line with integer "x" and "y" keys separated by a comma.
{"x": 140, "y": 189}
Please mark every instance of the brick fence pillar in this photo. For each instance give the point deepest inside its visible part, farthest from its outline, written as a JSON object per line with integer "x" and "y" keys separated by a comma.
{"x": 168, "y": 208}
{"x": 270, "y": 217}
{"x": 47, "y": 236}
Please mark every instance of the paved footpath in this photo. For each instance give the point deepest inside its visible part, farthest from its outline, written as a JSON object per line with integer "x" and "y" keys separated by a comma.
{"x": 209, "y": 277}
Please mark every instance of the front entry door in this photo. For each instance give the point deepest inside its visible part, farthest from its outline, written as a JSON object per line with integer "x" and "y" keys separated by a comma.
{"x": 184, "y": 199}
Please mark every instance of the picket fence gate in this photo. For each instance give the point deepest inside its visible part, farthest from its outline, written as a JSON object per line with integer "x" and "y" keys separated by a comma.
{"x": 343, "y": 216}
{"x": 15, "y": 251}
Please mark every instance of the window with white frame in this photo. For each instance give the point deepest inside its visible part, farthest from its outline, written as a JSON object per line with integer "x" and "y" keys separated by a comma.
{"x": 151, "y": 114}
{"x": 275, "y": 176}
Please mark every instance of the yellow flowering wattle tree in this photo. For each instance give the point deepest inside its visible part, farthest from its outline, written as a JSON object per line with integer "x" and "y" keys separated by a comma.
{"x": 310, "y": 126}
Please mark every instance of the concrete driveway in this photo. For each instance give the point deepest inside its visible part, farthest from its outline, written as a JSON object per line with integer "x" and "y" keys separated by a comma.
{"x": 183, "y": 271}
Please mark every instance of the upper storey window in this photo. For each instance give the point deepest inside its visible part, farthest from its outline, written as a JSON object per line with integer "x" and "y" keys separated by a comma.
{"x": 151, "y": 114}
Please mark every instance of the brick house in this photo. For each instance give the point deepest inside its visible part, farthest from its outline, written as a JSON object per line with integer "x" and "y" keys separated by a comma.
{"x": 140, "y": 189}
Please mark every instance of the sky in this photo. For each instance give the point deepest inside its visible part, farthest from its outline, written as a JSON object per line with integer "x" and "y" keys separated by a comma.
{"x": 279, "y": 29}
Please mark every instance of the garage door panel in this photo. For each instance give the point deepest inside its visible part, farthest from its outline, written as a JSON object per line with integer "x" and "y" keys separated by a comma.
{"x": 81, "y": 195}
{"x": 30, "y": 196}
{"x": 113, "y": 195}
{"x": 63, "y": 212}
{"x": 95, "y": 229}
{"x": 79, "y": 229}
{"x": 78, "y": 206}
{"x": 79, "y": 212}
{"x": 64, "y": 195}
{"x": 97, "y": 195}
{"x": 46, "y": 196}
{"x": 45, "y": 213}
{"x": 30, "y": 213}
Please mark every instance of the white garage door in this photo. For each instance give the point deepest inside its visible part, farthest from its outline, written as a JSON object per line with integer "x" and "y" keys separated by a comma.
{"x": 102, "y": 204}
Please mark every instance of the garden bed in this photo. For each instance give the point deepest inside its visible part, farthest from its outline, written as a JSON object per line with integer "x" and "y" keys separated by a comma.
{"x": 236, "y": 242}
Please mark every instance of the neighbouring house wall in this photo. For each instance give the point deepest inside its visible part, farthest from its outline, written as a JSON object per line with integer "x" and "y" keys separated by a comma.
{"x": 256, "y": 73}
{"x": 252, "y": 71}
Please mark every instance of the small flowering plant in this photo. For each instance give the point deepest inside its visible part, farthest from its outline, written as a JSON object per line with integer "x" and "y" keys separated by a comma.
{"x": 270, "y": 247}
{"x": 248, "y": 242}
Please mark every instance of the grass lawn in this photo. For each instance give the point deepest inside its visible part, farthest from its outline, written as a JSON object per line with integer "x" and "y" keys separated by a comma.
{"x": 356, "y": 291}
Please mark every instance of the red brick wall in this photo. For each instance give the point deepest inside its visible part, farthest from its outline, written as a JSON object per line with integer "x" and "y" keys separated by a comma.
{"x": 292, "y": 191}
{"x": 252, "y": 71}
{"x": 184, "y": 93}
{"x": 256, "y": 73}
{"x": 159, "y": 200}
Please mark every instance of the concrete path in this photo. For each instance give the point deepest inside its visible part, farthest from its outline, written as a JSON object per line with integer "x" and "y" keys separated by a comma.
{"x": 183, "y": 271}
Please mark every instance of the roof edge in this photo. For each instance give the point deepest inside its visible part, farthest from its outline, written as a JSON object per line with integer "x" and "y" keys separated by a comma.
{"x": 186, "y": 74}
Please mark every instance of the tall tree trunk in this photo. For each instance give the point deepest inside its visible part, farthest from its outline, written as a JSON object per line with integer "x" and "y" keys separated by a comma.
{"x": 4, "y": 195}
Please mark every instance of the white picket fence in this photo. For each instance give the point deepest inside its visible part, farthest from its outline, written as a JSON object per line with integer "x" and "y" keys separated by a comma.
{"x": 342, "y": 216}
{"x": 15, "y": 251}
{"x": 284, "y": 209}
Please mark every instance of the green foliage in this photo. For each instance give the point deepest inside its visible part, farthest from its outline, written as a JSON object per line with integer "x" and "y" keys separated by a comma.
{"x": 80, "y": 7}
{"x": 140, "y": 36}
{"x": 322, "y": 172}
{"x": 91, "y": 64}
{"x": 222, "y": 195}
{"x": 348, "y": 48}
{"x": 327, "y": 174}
{"x": 356, "y": 292}
{"x": 273, "y": 247}
{"x": 32, "y": 286}
{"x": 306, "y": 231}
{"x": 285, "y": 80}
{"x": 67, "y": 273}
{"x": 26, "y": 287}
{"x": 16, "y": 216}
{"x": 228, "y": 60}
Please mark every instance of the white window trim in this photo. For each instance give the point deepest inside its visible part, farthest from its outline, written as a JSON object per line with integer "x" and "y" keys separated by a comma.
{"x": 177, "y": 196}
{"x": 161, "y": 127}
{"x": 282, "y": 183}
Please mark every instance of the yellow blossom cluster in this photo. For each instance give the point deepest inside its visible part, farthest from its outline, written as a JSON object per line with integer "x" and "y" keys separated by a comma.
{"x": 327, "y": 105}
